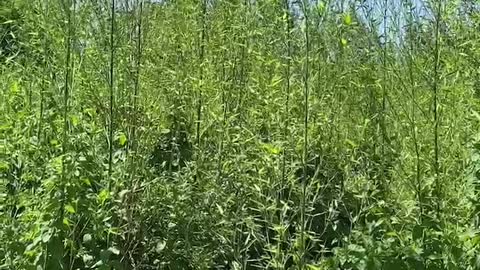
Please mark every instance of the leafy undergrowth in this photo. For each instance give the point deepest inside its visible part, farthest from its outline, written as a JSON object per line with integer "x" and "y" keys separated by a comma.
{"x": 239, "y": 135}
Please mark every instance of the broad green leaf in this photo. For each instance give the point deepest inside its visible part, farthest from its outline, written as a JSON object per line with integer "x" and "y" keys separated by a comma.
{"x": 160, "y": 246}
{"x": 87, "y": 238}
{"x": 114, "y": 250}
{"x": 271, "y": 149}
{"x": 103, "y": 196}
{"x": 347, "y": 19}
{"x": 122, "y": 139}
{"x": 70, "y": 209}
{"x": 3, "y": 166}
{"x": 87, "y": 182}
{"x": 87, "y": 258}
{"x": 74, "y": 120}
{"x": 66, "y": 222}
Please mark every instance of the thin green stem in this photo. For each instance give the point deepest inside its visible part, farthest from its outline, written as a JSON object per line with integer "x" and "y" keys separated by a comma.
{"x": 112, "y": 97}
{"x": 305, "y": 138}
{"x": 436, "y": 164}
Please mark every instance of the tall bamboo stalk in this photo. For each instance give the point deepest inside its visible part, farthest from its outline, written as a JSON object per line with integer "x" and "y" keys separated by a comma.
{"x": 224, "y": 107}
{"x": 136, "y": 91}
{"x": 281, "y": 193}
{"x": 418, "y": 183}
{"x": 305, "y": 137}
{"x": 436, "y": 165}
{"x": 287, "y": 87}
{"x": 46, "y": 68}
{"x": 112, "y": 97}
{"x": 200, "y": 98}
{"x": 133, "y": 141}
{"x": 243, "y": 56}
{"x": 384, "y": 93}
{"x": 66, "y": 97}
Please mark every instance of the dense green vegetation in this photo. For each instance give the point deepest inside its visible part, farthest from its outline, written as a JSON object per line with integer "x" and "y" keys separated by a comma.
{"x": 240, "y": 134}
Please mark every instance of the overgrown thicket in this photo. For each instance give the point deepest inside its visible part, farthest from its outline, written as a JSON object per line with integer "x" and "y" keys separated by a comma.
{"x": 239, "y": 134}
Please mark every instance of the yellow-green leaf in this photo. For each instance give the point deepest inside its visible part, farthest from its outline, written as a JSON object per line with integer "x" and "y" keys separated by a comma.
{"x": 103, "y": 196}
{"x": 347, "y": 19}
{"x": 3, "y": 166}
{"x": 351, "y": 143}
{"x": 276, "y": 80}
{"x": 122, "y": 139}
{"x": 87, "y": 182}
{"x": 70, "y": 209}
{"x": 14, "y": 87}
{"x": 344, "y": 42}
{"x": 165, "y": 131}
{"x": 271, "y": 149}
{"x": 321, "y": 7}
{"x": 66, "y": 222}
{"x": 74, "y": 120}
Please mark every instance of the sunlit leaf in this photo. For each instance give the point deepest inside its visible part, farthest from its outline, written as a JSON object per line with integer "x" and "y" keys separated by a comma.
{"x": 122, "y": 139}
{"x": 70, "y": 209}
{"x": 347, "y": 19}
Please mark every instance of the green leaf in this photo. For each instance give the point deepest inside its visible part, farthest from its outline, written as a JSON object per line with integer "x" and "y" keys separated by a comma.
{"x": 74, "y": 120}
{"x": 70, "y": 209}
{"x": 87, "y": 238}
{"x": 114, "y": 250}
{"x": 271, "y": 149}
{"x": 66, "y": 222}
{"x": 122, "y": 193}
{"x": 87, "y": 258}
{"x": 321, "y": 7}
{"x": 103, "y": 196}
{"x": 351, "y": 143}
{"x": 356, "y": 248}
{"x": 347, "y": 19}
{"x": 276, "y": 80}
{"x": 160, "y": 246}
{"x": 417, "y": 232}
{"x": 46, "y": 237}
{"x": 122, "y": 139}
{"x": 3, "y": 166}
{"x": 87, "y": 182}
{"x": 165, "y": 131}
{"x": 14, "y": 87}
{"x": 344, "y": 42}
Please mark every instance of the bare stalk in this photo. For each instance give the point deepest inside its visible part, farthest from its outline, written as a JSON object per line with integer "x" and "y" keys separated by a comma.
{"x": 112, "y": 97}
{"x": 305, "y": 145}
{"x": 384, "y": 92}
{"x": 66, "y": 97}
{"x": 136, "y": 90}
{"x": 44, "y": 83}
{"x": 418, "y": 183}
{"x": 436, "y": 165}
{"x": 200, "y": 101}
{"x": 288, "y": 27}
